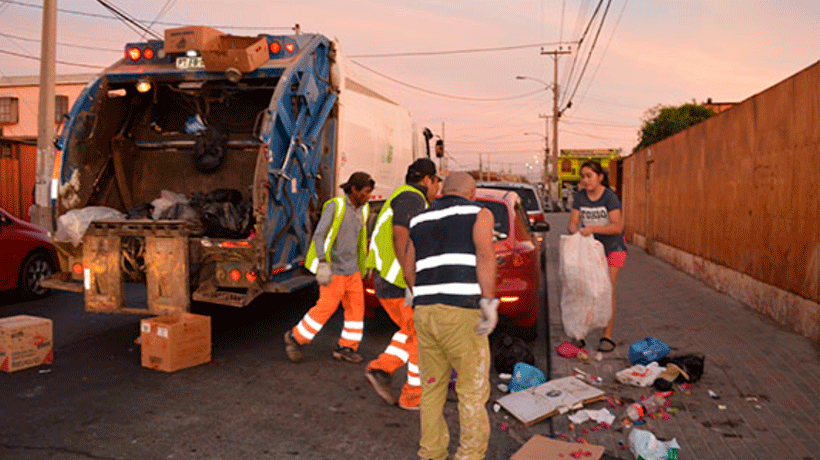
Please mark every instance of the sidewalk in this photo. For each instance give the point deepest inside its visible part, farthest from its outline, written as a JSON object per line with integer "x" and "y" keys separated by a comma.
{"x": 767, "y": 378}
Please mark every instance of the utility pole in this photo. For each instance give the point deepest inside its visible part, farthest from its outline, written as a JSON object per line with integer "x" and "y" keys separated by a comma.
{"x": 45, "y": 118}
{"x": 555, "y": 115}
{"x": 546, "y": 174}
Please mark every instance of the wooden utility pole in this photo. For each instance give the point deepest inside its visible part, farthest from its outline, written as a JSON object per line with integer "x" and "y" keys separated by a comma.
{"x": 42, "y": 215}
{"x": 553, "y": 184}
{"x": 546, "y": 175}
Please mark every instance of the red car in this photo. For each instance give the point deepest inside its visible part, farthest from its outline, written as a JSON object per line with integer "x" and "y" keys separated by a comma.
{"x": 27, "y": 254}
{"x": 519, "y": 260}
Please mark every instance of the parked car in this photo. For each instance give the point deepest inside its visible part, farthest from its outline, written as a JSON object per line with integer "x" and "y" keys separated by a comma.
{"x": 27, "y": 254}
{"x": 519, "y": 256}
{"x": 530, "y": 197}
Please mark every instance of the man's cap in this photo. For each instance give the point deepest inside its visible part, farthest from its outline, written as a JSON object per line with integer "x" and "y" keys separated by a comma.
{"x": 360, "y": 180}
{"x": 422, "y": 167}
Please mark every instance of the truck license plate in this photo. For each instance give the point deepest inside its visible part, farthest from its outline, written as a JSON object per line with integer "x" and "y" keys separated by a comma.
{"x": 186, "y": 62}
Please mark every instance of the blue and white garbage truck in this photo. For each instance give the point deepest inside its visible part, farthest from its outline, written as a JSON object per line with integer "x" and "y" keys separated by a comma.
{"x": 256, "y": 133}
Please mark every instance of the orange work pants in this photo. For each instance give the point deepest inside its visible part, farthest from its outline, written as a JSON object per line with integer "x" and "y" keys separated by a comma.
{"x": 402, "y": 349}
{"x": 346, "y": 289}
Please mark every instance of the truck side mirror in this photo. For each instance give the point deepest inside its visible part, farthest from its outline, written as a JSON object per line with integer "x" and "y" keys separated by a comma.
{"x": 439, "y": 148}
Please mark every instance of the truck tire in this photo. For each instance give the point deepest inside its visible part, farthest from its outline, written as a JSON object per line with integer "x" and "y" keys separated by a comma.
{"x": 37, "y": 266}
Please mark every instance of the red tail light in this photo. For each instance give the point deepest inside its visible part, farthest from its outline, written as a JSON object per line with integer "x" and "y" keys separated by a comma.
{"x": 134, "y": 53}
{"x": 77, "y": 269}
{"x": 251, "y": 276}
{"x": 290, "y": 47}
{"x": 236, "y": 275}
{"x": 275, "y": 47}
{"x": 148, "y": 53}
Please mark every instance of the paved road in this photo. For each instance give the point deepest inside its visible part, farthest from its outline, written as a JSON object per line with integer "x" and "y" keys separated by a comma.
{"x": 97, "y": 402}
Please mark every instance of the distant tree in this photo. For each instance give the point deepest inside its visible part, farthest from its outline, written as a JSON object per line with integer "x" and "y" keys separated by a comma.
{"x": 663, "y": 121}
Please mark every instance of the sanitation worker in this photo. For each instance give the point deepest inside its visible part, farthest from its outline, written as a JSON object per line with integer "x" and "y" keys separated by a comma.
{"x": 452, "y": 274}
{"x": 388, "y": 246}
{"x": 337, "y": 255}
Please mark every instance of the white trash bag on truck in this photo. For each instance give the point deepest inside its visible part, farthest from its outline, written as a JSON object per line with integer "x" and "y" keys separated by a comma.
{"x": 72, "y": 225}
{"x": 586, "y": 291}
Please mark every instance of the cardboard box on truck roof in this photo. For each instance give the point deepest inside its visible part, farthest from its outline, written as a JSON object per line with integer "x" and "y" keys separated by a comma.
{"x": 245, "y": 54}
{"x": 182, "y": 39}
{"x": 25, "y": 341}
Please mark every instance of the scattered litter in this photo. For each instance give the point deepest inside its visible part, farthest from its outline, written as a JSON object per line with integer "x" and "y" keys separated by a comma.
{"x": 504, "y": 376}
{"x": 526, "y": 376}
{"x": 539, "y": 448}
{"x": 569, "y": 351}
{"x": 496, "y": 407}
{"x": 599, "y": 356}
{"x": 644, "y": 444}
{"x": 647, "y": 350}
{"x": 504, "y": 426}
{"x": 600, "y": 416}
{"x": 639, "y": 375}
{"x": 503, "y": 387}
{"x": 44, "y": 371}
{"x": 713, "y": 395}
{"x": 535, "y": 404}
{"x": 751, "y": 398}
{"x": 721, "y": 407}
{"x": 758, "y": 406}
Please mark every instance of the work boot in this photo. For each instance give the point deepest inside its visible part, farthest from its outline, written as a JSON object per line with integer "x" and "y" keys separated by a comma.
{"x": 292, "y": 348}
{"x": 347, "y": 354}
{"x": 410, "y": 398}
{"x": 380, "y": 381}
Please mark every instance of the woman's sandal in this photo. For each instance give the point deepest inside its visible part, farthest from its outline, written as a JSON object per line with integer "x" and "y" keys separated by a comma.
{"x": 606, "y": 345}
{"x": 580, "y": 343}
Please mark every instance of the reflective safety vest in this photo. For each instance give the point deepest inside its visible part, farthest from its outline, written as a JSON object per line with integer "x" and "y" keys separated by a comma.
{"x": 312, "y": 261}
{"x": 382, "y": 255}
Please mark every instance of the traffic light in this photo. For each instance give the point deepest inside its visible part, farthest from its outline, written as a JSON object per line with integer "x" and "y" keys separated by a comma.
{"x": 439, "y": 148}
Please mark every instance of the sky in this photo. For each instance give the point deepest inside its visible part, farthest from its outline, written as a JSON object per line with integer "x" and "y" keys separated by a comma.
{"x": 460, "y": 80}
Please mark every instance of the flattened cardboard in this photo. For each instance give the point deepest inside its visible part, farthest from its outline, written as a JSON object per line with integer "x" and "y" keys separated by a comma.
{"x": 534, "y": 404}
{"x": 245, "y": 54}
{"x": 182, "y": 39}
{"x": 541, "y": 448}
{"x": 25, "y": 341}
{"x": 173, "y": 342}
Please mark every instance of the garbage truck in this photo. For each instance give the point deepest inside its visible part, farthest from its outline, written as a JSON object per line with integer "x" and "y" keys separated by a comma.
{"x": 252, "y": 134}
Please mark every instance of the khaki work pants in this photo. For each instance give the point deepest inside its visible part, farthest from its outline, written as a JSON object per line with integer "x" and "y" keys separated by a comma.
{"x": 447, "y": 339}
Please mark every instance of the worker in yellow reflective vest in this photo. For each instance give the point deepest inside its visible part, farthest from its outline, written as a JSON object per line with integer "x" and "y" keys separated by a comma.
{"x": 337, "y": 256}
{"x": 386, "y": 257}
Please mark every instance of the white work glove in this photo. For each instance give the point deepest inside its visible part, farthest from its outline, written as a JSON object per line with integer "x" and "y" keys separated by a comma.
{"x": 408, "y": 296}
{"x": 323, "y": 275}
{"x": 489, "y": 316}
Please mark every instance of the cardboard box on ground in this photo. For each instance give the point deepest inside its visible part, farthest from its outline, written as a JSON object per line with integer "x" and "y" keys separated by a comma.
{"x": 541, "y": 448}
{"x": 25, "y": 341}
{"x": 174, "y": 342}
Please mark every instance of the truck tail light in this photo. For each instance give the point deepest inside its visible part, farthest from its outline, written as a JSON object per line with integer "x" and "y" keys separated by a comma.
{"x": 148, "y": 53}
{"x": 275, "y": 47}
{"x": 134, "y": 53}
{"x": 235, "y": 275}
{"x": 250, "y": 276}
{"x": 290, "y": 47}
{"x": 77, "y": 269}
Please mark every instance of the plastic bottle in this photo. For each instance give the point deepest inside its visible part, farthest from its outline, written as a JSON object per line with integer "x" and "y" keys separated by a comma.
{"x": 642, "y": 408}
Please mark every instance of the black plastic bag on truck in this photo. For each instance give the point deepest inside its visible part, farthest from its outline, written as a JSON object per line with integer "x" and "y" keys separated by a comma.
{"x": 209, "y": 150}
{"x": 222, "y": 195}
{"x": 141, "y": 211}
{"x": 224, "y": 220}
{"x": 511, "y": 350}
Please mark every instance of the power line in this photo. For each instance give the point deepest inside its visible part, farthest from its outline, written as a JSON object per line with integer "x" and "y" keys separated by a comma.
{"x": 72, "y": 45}
{"x": 580, "y": 43}
{"x": 444, "y": 95}
{"x": 105, "y": 16}
{"x": 459, "y": 51}
{"x": 129, "y": 21}
{"x": 591, "y": 49}
{"x": 28, "y": 56}
{"x": 609, "y": 42}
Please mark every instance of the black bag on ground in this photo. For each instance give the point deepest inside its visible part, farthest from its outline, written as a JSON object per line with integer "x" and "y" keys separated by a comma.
{"x": 511, "y": 350}
{"x": 209, "y": 150}
{"x": 691, "y": 364}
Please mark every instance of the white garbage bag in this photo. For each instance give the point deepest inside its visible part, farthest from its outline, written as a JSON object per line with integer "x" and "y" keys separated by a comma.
{"x": 72, "y": 225}
{"x": 586, "y": 291}
{"x": 166, "y": 200}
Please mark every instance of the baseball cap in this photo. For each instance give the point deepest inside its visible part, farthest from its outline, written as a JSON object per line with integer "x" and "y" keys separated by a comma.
{"x": 359, "y": 180}
{"x": 422, "y": 167}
